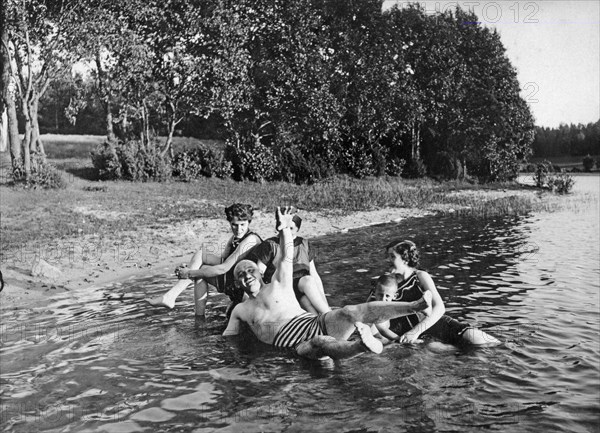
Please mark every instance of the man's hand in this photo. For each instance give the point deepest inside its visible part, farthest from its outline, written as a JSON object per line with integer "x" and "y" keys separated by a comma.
{"x": 284, "y": 217}
{"x": 182, "y": 272}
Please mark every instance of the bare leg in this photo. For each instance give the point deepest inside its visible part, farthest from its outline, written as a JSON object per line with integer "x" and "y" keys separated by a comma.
{"x": 200, "y": 297}
{"x": 306, "y": 305}
{"x": 340, "y": 323}
{"x": 325, "y": 345}
{"x": 314, "y": 295}
{"x": 169, "y": 298}
{"x": 478, "y": 337}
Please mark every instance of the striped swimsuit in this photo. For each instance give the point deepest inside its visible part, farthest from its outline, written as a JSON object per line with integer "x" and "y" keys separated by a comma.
{"x": 301, "y": 328}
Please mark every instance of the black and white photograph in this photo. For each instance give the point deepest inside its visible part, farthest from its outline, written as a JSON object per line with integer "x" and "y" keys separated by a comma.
{"x": 264, "y": 216}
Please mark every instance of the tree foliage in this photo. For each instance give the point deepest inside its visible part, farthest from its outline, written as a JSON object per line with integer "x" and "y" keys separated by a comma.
{"x": 305, "y": 89}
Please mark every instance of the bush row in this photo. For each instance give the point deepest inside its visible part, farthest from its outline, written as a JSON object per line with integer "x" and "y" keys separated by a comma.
{"x": 43, "y": 174}
{"x": 137, "y": 162}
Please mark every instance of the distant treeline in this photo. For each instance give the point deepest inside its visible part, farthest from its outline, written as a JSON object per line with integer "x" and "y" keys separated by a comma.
{"x": 567, "y": 140}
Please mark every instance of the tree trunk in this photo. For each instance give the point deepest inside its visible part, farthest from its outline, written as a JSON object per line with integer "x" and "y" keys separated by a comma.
{"x": 7, "y": 97}
{"x": 13, "y": 133}
{"x": 169, "y": 141}
{"x": 110, "y": 132}
{"x": 3, "y": 128}
{"x": 124, "y": 124}
{"x": 145, "y": 125}
{"x": 37, "y": 147}
{"x": 106, "y": 99}
{"x": 25, "y": 147}
{"x": 26, "y": 142}
{"x": 416, "y": 141}
{"x": 172, "y": 124}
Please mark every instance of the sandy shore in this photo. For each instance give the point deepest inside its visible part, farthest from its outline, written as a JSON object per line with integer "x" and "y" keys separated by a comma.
{"x": 92, "y": 262}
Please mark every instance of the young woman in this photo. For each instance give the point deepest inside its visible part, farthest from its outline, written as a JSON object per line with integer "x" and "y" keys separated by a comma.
{"x": 412, "y": 284}
{"x": 207, "y": 270}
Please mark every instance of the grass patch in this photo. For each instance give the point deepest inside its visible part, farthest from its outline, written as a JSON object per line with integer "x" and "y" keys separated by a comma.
{"x": 108, "y": 208}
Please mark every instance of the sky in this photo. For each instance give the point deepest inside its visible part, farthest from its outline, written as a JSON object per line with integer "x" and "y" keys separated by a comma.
{"x": 555, "y": 47}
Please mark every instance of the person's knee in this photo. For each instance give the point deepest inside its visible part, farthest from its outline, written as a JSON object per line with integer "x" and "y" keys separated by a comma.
{"x": 315, "y": 347}
{"x": 306, "y": 282}
{"x": 200, "y": 285}
{"x": 307, "y": 305}
{"x": 349, "y": 313}
{"x": 478, "y": 337}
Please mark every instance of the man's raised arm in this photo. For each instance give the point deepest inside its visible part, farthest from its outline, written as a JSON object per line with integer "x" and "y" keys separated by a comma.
{"x": 284, "y": 260}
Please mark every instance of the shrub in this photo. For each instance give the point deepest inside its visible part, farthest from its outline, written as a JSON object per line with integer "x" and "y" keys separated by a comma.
{"x": 105, "y": 159}
{"x": 561, "y": 183}
{"x": 446, "y": 166}
{"x": 588, "y": 163}
{"x": 298, "y": 168}
{"x": 193, "y": 164}
{"x": 357, "y": 160}
{"x": 542, "y": 171}
{"x": 252, "y": 160}
{"x": 43, "y": 175}
{"x": 395, "y": 166}
{"x": 200, "y": 162}
{"x": 132, "y": 160}
{"x": 415, "y": 169}
{"x": 223, "y": 169}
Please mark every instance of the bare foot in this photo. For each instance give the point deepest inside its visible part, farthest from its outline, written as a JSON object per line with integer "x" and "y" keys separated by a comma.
{"x": 161, "y": 301}
{"x": 427, "y": 297}
{"x": 370, "y": 342}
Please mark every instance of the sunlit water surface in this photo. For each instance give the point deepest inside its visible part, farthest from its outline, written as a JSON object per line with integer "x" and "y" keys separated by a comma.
{"x": 102, "y": 360}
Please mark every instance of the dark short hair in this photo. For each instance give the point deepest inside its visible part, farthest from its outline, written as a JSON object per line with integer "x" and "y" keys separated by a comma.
{"x": 240, "y": 211}
{"x": 387, "y": 280}
{"x": 407, "y": 250}
{"x": 297, "y": 220}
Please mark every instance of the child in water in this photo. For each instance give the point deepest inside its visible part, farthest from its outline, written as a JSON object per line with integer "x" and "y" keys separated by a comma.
{"x": 385, "y": 291}
{"x": 408, "y": 283}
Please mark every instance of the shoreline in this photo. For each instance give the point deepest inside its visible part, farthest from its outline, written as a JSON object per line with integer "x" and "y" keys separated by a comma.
{"x": 89, "y": 261}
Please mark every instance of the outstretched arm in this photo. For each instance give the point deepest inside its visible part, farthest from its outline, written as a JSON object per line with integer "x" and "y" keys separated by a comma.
{"x": 208, "y": 271}
{"x": 385, "y": 331}
{"x": 437, "y": 305}
{"x": 283, "y": 261}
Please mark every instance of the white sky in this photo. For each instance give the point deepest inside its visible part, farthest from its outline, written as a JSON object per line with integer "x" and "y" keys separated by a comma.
{"x": 555, "y": 47}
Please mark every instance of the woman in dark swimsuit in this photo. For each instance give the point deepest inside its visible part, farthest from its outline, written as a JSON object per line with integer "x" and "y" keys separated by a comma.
{"x": 403, "y": 258}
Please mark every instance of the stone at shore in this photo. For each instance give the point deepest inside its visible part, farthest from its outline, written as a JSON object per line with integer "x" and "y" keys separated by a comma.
{"x": 43, "y": 269}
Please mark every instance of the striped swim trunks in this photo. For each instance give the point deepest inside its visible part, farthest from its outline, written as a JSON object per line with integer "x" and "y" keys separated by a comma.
{"x": 299, "y": 329}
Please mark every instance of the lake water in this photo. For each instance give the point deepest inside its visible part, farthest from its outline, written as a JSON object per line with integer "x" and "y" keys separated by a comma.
{"x": 101, "y": 360}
